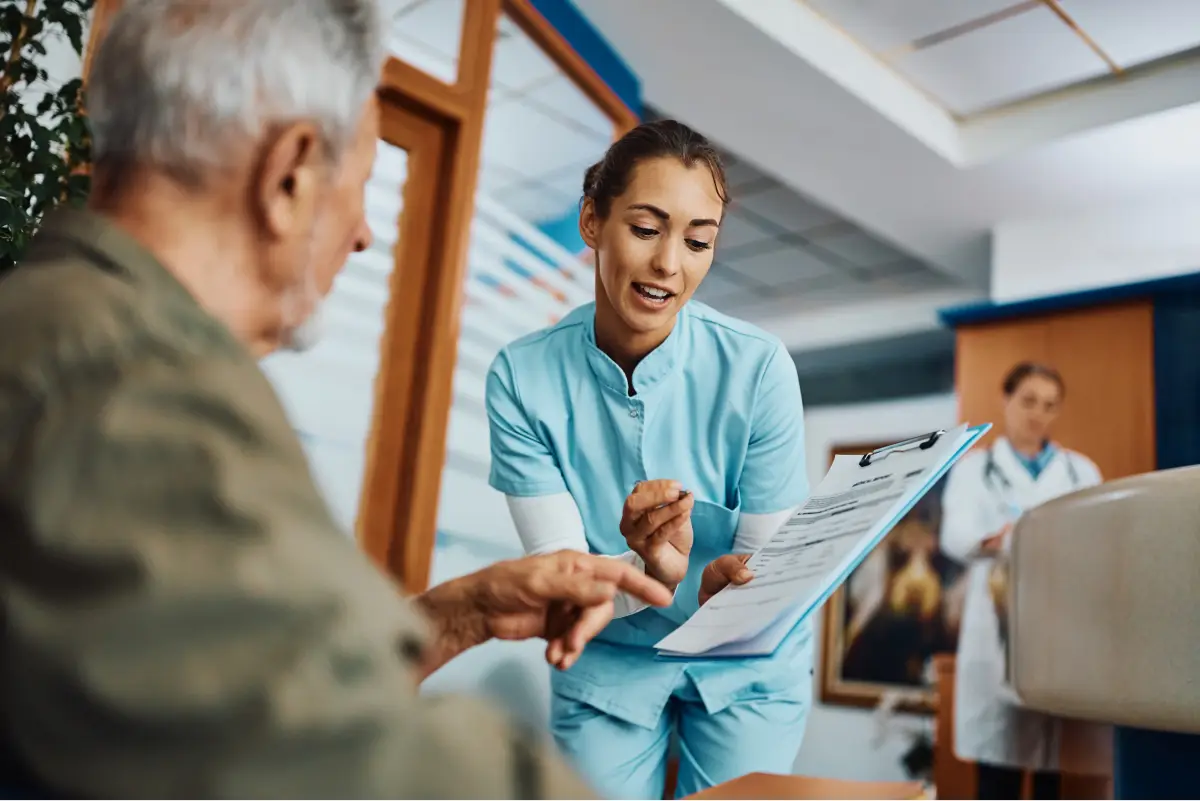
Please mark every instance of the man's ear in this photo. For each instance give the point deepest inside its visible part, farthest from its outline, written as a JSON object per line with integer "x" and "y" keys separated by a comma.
{"x": 589, "y": 224}
{"x": 287, "y": 181}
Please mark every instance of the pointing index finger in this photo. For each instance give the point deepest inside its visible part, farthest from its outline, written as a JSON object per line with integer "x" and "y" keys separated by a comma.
{"x": 629, "y": 579}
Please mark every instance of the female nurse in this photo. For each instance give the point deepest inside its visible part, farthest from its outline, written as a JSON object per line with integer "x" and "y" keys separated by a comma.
{"x": 985, "y": 493}
{"x": 646, "y": 426}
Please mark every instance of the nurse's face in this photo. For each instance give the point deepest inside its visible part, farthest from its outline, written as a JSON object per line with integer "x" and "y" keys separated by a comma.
{"x": 656, "y": 245}
{"x": 1030, "y": 412}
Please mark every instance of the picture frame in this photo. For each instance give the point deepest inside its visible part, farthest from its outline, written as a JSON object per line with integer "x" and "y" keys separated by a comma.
{"x": 898, "y": 609}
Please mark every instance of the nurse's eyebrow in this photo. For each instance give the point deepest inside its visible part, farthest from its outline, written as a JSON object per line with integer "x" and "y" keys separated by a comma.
{"x": 662, "y": 215}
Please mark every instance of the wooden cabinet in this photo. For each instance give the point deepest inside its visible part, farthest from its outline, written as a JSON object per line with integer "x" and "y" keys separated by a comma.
{"x": 1106, "y": 357}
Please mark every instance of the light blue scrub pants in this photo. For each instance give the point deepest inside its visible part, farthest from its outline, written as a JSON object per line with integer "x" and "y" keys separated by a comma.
{"x": 760, "y": 731}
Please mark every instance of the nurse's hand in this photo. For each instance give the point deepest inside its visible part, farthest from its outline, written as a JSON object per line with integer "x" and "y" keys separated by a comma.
{"x": 721, "y": 572}
{"x": 657, "y": 525}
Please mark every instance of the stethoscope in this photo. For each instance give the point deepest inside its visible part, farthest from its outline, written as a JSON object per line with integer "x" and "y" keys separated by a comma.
{"x": 993, "y": 474}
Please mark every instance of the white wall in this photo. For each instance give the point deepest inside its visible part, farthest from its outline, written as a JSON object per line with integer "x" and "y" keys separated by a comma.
{"x": 1033, "y": 258}
{"x": 839, "y": 742}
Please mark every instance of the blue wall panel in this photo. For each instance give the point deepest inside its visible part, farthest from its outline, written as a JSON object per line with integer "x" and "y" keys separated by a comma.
{"x": 592, "y": 47}
{"x": 1177, "y": 378}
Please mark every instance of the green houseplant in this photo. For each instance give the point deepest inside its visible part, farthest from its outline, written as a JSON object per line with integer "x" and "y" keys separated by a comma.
{"x": 44, "y": 141}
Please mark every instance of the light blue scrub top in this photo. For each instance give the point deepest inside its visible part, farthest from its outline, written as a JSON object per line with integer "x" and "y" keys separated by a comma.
{"x": 717, "y": 407}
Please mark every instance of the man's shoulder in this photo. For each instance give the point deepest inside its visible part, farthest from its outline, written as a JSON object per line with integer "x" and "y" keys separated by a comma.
{"x": 64, "y": 299}
{"x": 64, "y": 319}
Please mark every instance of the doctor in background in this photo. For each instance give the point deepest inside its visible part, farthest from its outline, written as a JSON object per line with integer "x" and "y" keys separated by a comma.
{"x": 985, "y": 494}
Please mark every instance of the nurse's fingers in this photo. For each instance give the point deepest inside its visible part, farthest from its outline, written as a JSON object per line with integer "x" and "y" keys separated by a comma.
{"x": 721, "y": 572}
{"x": 649, "y": 495}
{"x": 676, "y": 531}
{"x": 670, "y": 517}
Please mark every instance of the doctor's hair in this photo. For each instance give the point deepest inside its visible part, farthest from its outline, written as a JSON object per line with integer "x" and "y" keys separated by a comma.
{"x": 1017, "y": 375}
{"x": 608, "y": 178}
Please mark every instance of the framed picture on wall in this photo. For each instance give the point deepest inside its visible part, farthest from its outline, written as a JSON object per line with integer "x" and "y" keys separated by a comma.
{"x": 898, "y": 609}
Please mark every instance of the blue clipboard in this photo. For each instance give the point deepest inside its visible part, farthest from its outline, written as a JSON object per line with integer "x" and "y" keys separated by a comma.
{"x": 974, "y": 433}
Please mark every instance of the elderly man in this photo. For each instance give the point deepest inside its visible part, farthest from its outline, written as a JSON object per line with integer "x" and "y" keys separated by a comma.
{"x": 179, "y": 615}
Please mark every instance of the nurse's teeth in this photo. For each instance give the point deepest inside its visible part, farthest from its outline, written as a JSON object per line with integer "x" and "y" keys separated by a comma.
{"x": 653, "y": 292}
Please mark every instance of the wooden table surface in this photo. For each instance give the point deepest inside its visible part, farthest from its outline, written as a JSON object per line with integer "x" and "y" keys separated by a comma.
{"x": 769, "y": 785}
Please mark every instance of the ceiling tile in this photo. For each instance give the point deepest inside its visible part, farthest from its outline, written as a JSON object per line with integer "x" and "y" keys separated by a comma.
{"x": 734, "y": 303}
{"x": 786, "y": 209}
{"x": 562, "y": 99}
{"x": 717, "y": 285}
{"x": 781, "y": 266}
{"x": 739, "y": 174}
{"x": 881, "y": 25}
{"x": 736, "y": 232}
{"x": 912, "y": 280}
{"x": 493, "y": 179}
{"x": 861, "y": 249}
{"x": 535, "y": 203}
{"x": 1133, "y": 34}
{"x": 567, "y": 182}
{"x": 507, "y": 141}
{"x": 427, "y": 35}
{"x": 1017, "y": 58}
{"x": 517, "y": 63}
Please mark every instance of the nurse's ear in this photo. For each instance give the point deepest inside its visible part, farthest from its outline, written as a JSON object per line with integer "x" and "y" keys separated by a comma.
{"x": 590, "y": 224}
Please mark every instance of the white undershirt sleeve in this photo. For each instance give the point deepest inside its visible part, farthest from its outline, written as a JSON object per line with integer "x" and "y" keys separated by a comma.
{"x": 549, "y": 523}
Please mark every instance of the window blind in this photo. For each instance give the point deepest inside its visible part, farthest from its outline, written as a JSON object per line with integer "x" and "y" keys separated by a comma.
{"x": 329, "y": 391}
{"x": 518, "y": 281}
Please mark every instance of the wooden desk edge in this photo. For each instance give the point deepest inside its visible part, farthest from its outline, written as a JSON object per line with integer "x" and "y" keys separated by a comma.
{"x": 769, "y": 785}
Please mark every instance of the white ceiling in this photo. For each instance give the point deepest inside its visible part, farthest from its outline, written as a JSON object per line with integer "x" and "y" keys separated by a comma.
{"x": 975, "y": 55}
{"x": 776, "y": 249}
{"x": 817, "y": 109}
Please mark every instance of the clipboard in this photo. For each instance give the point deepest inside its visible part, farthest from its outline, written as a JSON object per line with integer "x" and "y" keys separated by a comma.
{"x": 808, "y": 602}
{"x": 923, "y": 442}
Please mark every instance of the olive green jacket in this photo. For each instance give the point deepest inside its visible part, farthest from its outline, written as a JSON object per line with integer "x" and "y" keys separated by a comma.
{"x": 179, "y": 614}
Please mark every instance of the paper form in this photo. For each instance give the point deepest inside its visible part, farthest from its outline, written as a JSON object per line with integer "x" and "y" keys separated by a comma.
{"x": 848, "y": 514}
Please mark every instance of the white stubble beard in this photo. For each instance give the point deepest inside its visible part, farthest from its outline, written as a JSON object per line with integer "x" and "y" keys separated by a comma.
{"x": 306, "y": 334}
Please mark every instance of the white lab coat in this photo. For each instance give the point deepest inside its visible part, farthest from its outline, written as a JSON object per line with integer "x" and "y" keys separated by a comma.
{"x": 989, "y": 726}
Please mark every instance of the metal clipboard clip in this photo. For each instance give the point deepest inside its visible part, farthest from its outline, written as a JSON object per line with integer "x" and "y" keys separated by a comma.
{"x": 923, "y": 442}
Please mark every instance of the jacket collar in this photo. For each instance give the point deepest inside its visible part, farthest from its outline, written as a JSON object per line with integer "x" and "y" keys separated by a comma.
{"x": 658, "y": 365}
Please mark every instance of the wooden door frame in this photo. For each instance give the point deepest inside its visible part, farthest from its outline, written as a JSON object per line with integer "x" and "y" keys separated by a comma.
{"x": 423, "y": 348}
{"x": 397, "y": 524}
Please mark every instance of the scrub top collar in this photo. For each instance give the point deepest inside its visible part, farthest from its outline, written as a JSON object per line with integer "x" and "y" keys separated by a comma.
{"x": 658, "y": 365}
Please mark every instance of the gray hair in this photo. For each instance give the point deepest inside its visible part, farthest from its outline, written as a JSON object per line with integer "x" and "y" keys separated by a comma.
{"x": 176, "y": 84}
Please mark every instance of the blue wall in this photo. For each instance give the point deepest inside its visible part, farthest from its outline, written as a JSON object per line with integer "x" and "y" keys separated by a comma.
{"x": 1158, "y": 764}
{"x": 593, "y": 48}
{"x": 1177, "y": 378}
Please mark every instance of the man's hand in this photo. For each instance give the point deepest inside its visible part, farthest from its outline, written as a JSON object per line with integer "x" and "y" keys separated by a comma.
{"x": 564, "y": 597}
{"x": 657, "y": 525}
{"x": 721, "y": 572}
